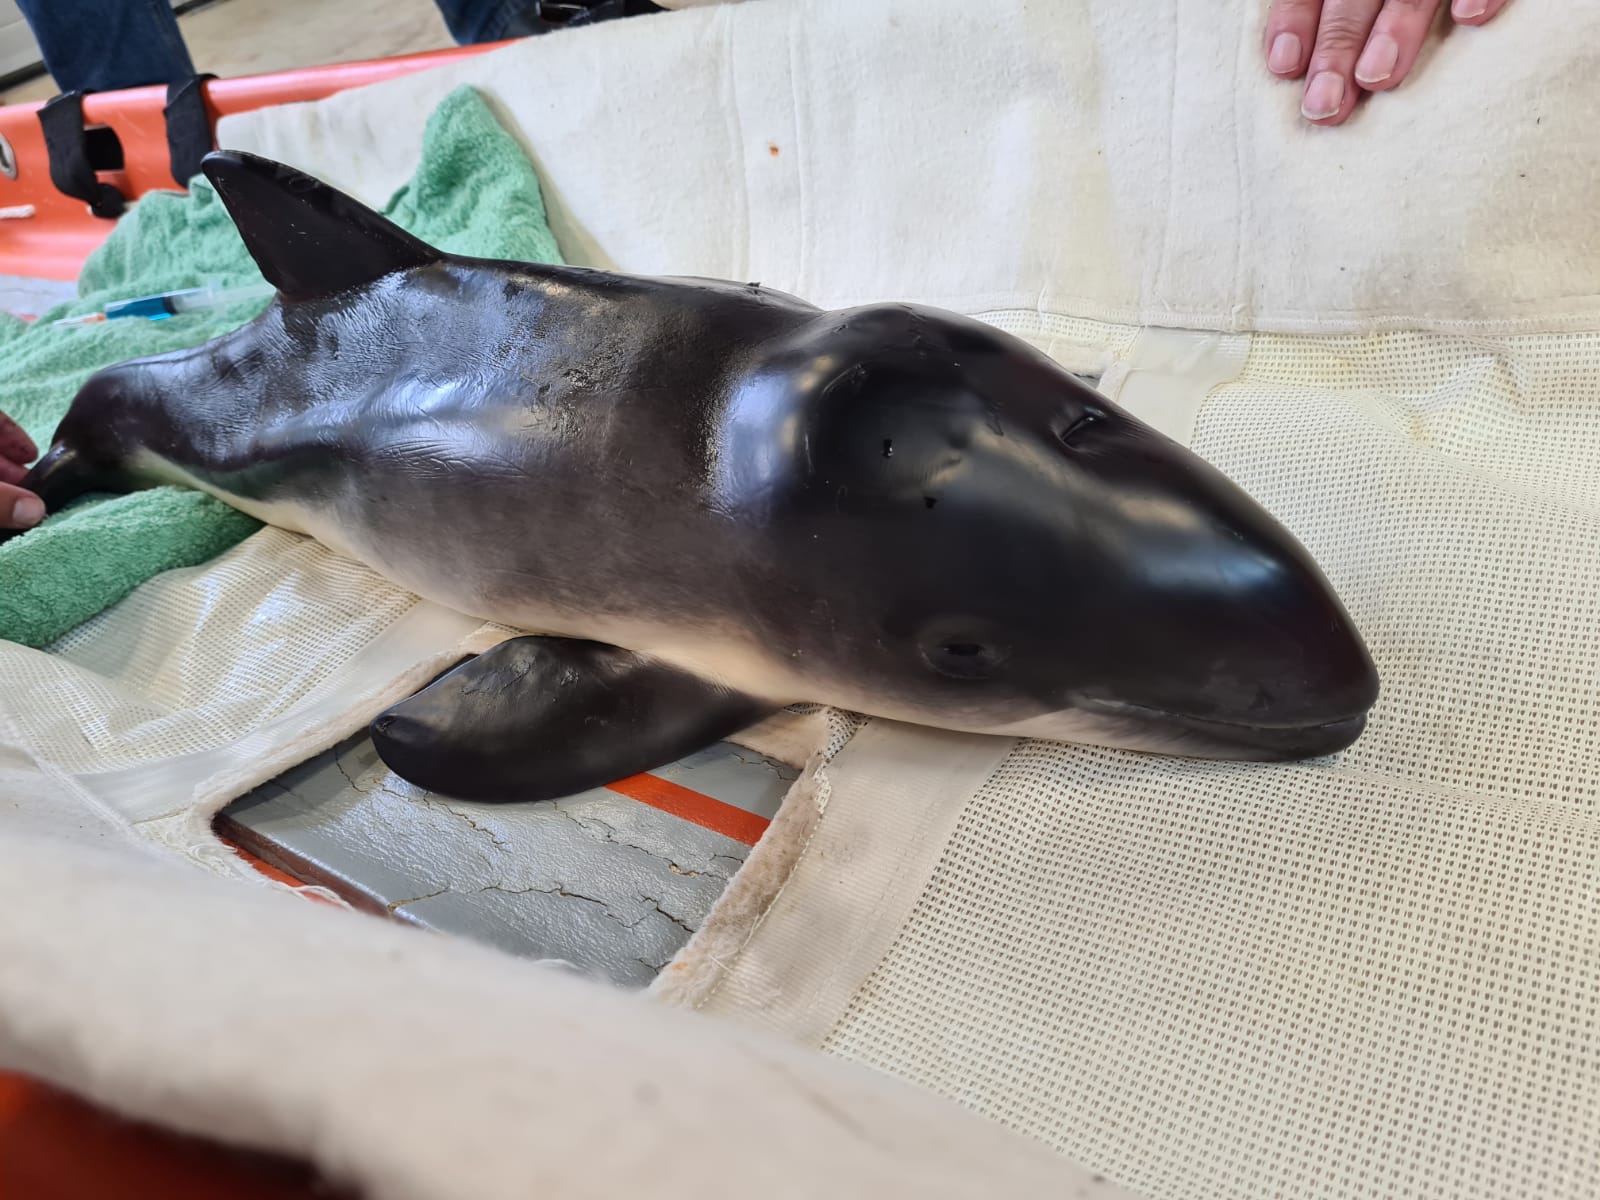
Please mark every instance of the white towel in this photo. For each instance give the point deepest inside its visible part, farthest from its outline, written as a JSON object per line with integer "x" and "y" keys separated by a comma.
{"x": 1131, "y": 163}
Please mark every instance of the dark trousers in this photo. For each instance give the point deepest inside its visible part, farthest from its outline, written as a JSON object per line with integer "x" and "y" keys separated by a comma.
{"x": 102, "y": 45}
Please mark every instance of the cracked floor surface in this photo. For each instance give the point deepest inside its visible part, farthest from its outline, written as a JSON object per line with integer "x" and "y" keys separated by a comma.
{"x": 606, "y": 883}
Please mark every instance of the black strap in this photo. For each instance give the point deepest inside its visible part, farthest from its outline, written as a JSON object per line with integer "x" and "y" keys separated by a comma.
{"x": 75, "y": 154}
{"x": 189, "y": 136}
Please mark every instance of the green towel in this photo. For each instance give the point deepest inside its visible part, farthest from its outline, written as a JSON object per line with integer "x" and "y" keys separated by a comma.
{"x": 475, "y": 193}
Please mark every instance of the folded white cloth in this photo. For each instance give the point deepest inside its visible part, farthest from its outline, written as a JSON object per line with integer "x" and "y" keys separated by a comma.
{"x": 415, "y": 1067}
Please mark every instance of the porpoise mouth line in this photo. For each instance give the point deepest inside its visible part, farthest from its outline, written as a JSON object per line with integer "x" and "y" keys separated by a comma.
{"x": 1120, "y": 708}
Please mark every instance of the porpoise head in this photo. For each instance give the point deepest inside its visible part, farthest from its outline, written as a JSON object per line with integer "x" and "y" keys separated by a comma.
{"x": 979, "y": 541}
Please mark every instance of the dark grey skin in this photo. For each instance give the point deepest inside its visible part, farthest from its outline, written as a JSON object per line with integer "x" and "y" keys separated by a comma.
{"x": 710, "y": 500}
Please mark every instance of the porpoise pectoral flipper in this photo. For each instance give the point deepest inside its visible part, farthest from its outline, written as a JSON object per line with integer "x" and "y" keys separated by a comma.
{"x": 536, "y": 718}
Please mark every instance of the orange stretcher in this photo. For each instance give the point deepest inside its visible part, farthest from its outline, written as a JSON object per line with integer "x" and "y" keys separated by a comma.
{"x": 46, "y": 233}
{"x": 52, "y": 1145}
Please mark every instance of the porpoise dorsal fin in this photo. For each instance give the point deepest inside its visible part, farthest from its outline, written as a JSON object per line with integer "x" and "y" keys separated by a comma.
{"x": 308, "y": 239}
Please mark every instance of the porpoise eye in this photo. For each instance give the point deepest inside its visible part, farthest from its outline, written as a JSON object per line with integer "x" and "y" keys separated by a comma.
{"x": 1077, "y": 428}
{"x": 964, "y": 658}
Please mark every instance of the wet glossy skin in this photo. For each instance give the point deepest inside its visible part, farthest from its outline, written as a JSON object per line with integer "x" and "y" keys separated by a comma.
{"x": 890, "y": 509}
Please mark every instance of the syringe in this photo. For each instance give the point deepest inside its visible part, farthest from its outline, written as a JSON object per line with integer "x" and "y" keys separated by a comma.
{"x": 171, "y": 304}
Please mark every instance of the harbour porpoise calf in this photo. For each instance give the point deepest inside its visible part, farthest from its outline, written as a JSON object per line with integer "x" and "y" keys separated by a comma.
{"x": 705, "y": 501}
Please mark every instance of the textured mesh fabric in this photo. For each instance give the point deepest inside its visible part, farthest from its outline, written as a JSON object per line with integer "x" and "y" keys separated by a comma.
{"x": 1372, "y": 976}
{"x": 145, "y": 681}
{"x": 199, "y": 670}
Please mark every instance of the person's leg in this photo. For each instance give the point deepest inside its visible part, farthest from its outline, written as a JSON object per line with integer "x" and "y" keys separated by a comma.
{"x": 102, "y": 45}
{"x": 473, "y": 21}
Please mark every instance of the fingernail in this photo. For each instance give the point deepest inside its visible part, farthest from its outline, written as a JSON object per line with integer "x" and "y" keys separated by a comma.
{"x": 1323, "y": 96}
{"x": 1285, "y": 54}
{"x": 1378, "y": 59}
{"x": 1465, "y": 10}
{"x": 27, "y": 512}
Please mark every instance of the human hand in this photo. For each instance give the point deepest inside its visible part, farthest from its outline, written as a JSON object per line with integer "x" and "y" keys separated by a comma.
{"x": 18, "y": 509}
{"x": 1344, "y": 47}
